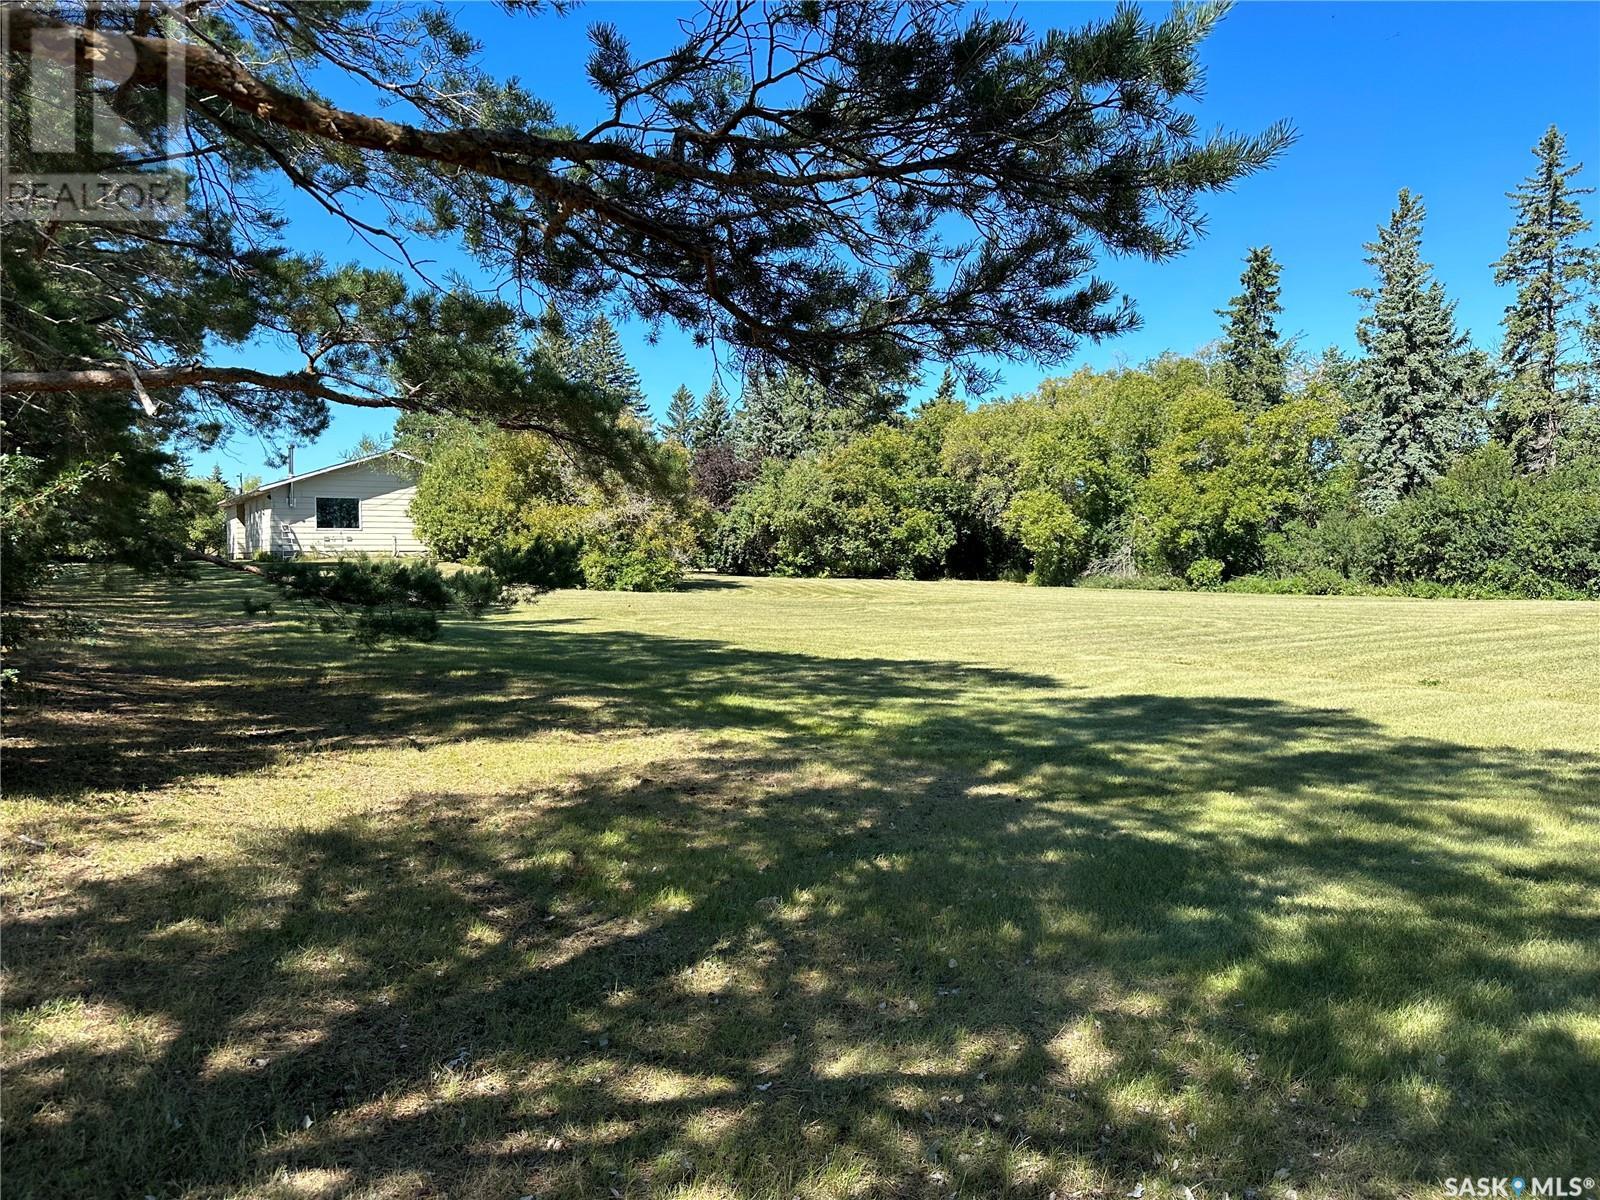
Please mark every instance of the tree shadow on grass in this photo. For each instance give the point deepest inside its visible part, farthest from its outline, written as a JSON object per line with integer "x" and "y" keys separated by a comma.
{"x": 936, "y": 929}
{"x": 237, "y": 694}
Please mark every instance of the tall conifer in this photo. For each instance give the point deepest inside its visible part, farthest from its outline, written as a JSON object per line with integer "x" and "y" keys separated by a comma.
{"x": 715, "y": 423}
{"x": 1418, "y": 376}
{"x": 555, "y": 345}
{"x": 1544, "y": 360}
{"x": 602, "y": 362}
{"x": 757, "y": 427}
{"x": 1255, "y": 355}
{"x": 683, "y": 414}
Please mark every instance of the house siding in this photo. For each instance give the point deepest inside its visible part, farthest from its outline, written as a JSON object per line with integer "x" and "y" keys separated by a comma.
{"x": 290, "y": 529}
{"x": 248, "y": 527}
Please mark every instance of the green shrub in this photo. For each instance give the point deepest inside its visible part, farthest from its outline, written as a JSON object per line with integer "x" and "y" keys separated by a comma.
{"x": 1319, "y": 581}
{"x": 1483, "y": 528}
{"x": 1324, "y": 581}
{"x": 544, "y": 561}
{"x": 512, "y": 503}
{"x": 474, "y": 591}
{"x": 641, "y": 550}
{"x": 1222, "y": 479}
{"x": 638, "y": 568}
{"x": 1204, "y": 573}
{"x": 383, "y": 600}
{"x": 876, "y": 507}
{"x": 1132, "y": 583}
{"x": 1555, "y": 543}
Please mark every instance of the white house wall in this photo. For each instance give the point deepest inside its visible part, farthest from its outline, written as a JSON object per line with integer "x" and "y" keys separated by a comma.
{"x": 385, "y": 495}
{"x": 249, "y": 534}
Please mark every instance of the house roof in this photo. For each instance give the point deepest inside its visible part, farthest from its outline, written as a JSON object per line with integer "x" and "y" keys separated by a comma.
{"x": 350, "y": 462}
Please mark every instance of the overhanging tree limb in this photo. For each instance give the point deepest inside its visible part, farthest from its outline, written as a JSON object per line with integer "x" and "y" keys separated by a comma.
{"x": 140, "y": 380}
{"x": 931, "y": 184}
{"x": 511, "y": 156}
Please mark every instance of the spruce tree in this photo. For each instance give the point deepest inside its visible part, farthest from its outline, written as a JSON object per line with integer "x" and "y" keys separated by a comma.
{"x": 683, "y": 414}
{"x": 715, "y": 423}
{"x": 554, "y": 344}
{"x": 946, "y": 399}
{"x": 757, "y": 425}
{"x": 1255, "y": 356}
{"x": 1543, "y": 364}
{"x": 1589, "y": 376}
{"x": 778, "y": 415}
{"x": 1417, "y": 376}
{"x": 602, "y": 362}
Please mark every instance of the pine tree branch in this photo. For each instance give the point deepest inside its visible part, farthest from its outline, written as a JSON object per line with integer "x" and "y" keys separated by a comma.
{"x": 812, "y": 233}
{"x": 508, "y": 155}
{"x": 123, "y": 378}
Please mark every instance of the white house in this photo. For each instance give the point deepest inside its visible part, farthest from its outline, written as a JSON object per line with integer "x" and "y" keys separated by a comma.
{"x": 355, "y": 507}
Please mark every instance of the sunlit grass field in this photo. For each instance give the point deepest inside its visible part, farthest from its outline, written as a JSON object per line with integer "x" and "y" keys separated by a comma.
{"x": 812, "y": 889}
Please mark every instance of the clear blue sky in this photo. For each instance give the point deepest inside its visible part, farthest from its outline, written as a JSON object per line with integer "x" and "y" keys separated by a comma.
{"x": 1443, "y": 98}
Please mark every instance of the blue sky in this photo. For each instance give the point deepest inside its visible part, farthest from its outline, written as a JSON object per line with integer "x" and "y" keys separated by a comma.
{"x": 1444, "y": 98}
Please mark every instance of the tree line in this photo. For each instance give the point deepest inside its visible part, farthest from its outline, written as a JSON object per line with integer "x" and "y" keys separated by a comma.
{"x": 845, "y": 190}
{"x": 813, "y": 230}
{"x": 1420, "y": 462}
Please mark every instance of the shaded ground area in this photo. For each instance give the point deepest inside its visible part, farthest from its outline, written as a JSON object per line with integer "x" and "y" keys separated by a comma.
{"x": 559, "y": 908}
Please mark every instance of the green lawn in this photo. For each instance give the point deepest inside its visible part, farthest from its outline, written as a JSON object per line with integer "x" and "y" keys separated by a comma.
{"x": 807, "y": 889}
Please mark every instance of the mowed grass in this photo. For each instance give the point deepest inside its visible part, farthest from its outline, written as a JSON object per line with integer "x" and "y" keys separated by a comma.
{"x": 807, "y": 889}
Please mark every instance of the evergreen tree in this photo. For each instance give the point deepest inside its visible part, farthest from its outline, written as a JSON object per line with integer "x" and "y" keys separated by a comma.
{"x": 683, "y": 414}
{"x": 1255, "y": 357}
{"x": 367, "y": 445}
{"x": 1589, "y": 379}
{"x": 946, "y": 399}
{"x": 1418, "y": 375}
{"x": 1543, "y": 377}
{"x": 777, "y": 415}
{"x": 757, "y": 424}
{"x": 602, "y": 362}
{"x": 715, "y": 423}
{"x": 934, "y": 415}
{"x": 554, "y": 344}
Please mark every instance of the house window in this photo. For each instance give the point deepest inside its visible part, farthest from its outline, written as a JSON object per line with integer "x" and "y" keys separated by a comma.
{"x": 338, "y": 512}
